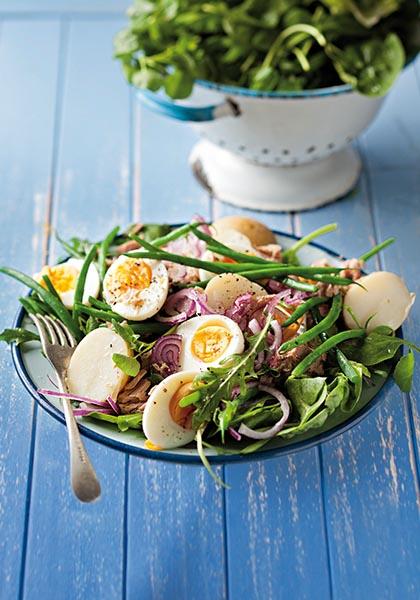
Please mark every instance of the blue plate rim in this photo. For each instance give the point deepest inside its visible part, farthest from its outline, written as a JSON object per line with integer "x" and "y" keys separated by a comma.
{"x": 195, "y": 459}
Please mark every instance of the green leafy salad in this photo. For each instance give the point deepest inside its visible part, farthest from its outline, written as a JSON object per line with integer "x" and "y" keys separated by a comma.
{"x": 216, "y": 335}
{"x": 268, "y": 45}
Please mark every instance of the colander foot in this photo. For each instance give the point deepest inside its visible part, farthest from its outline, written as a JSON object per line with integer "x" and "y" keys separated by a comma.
{"x": 232, "y": 179}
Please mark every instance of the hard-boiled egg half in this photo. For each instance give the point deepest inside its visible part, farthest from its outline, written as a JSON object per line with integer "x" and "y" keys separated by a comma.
{"x": 165, "y": 423}
{"x": 383, "y": 300}
{"x": 64, "y": 279}
{"x": 207, "y": 340}
{"x": 91, "y": 371}
{"x": 136, "y": 288}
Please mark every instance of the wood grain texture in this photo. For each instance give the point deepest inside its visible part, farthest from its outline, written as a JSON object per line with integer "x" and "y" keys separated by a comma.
{"x": 74, "y": 547}
{"x": 339, "y": 521}
{"x": 26, "y": 133}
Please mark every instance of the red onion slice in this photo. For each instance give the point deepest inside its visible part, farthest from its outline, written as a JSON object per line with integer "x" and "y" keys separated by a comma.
{"x": 167, "y": 351}
{"x": 184, "y": 304}
{"x": 58, "y": 394}
{"x": 276, "y": 327}
{"x": 274, "y": 430}
{"x": 254, "y": 326}
{"x": 113, "y": 405}
{"x": 236, "y": 436}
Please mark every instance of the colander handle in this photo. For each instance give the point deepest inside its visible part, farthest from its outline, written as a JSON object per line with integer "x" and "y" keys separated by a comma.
{"x": 160, "y": 105}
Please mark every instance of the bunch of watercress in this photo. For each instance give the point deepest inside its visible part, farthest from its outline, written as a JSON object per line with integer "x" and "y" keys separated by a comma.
{"x": 268, "y": 45}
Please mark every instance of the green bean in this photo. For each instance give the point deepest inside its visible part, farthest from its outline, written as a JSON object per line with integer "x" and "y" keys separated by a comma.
{"x": 299, "y": 285}
{"x": 57, "y": 307}
{"x": 323, "y": 325}
{"x": 309, "y": 238}
{"x": 341, "y": 358}
{"x": 105, "y": 315}
{"x": 333, "y": 341}
{"x": 279, "y": 269}
{"x": 81, "y": 280}
{"x": 32, "y": 306}
{"x": 175, "y": 234}
{"x": 50, "y": 286}
{"x": 219, "y": 248}
{"x": 346, "y": 367}
{"x": 333, "y": 280}
{"x": 364, "y": 257}
{"x": 99, "y": 304}
{"x": 103, "y": 251}
{"x": 303, "y": 308}
{"x": 182, "y": 260}
{"x": 154, "y": 327}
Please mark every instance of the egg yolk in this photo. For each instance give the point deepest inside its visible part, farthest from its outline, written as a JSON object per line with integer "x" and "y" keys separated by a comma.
{"x": 210, "y": 342}
{"x": 133, "y": 274}
{"x": 63, "y": 277}
{"x": 181, "y": 415}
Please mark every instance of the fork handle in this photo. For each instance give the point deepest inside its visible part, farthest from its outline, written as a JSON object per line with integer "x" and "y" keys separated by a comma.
{"x": 84, "y": 481}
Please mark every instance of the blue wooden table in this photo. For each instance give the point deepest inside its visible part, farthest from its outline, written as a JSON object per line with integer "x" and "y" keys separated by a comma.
{"x": 78, "y": 155}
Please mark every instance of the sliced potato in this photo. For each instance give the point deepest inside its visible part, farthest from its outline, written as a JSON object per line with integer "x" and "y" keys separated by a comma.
{"x": 385, "y": 301}
{"x": 223, "y": 290}
{"x": 258, "y": 233}
{"x": 91, "y": 371}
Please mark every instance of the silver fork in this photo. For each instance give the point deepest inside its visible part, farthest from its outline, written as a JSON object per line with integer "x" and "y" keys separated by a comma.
{"x": 58, "y": 345}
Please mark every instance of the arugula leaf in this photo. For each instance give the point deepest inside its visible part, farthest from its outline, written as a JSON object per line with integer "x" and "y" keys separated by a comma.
{"x": 18, "y": 336}
{"x": 404, "y": 370}
{"x": 128, "y": 365}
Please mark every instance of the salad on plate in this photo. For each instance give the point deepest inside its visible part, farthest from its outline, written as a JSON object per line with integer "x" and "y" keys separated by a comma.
{"x": 213, "y": 334}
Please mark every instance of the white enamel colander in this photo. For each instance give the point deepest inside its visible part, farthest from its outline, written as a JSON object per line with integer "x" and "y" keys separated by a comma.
{"x": 273, "y": 150}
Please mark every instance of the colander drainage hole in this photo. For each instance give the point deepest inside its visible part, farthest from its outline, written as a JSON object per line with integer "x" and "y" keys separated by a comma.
{"x": 242, "y": 148}
{"x": 330, "y": 145}
{"x": 265, "y": 151}
{"x": 310, "y": 149}
{"x": 286, "y": 152}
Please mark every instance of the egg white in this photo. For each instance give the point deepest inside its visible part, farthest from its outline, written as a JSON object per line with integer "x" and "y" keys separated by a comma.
{"x": 158, "y": 424}
{"x": 189, "y": 328}
{"x": 136, "y": 304}
{"x": 92, "y": 282}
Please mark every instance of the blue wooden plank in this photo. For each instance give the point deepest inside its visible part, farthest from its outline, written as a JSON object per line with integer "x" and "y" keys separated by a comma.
{"x": 165, "y": 189}
{"x": 370, "y": 480}
{"x": 71, "y": 546}
{"x": 393, "y": 138}
{"x": 274, "y": 510}
{"x": 177, "y": 508}
{"x": 27, "y": 82}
